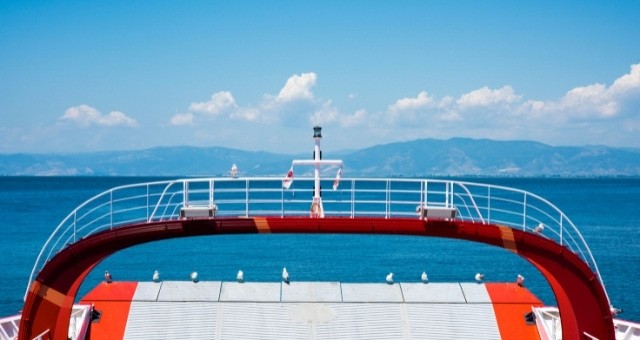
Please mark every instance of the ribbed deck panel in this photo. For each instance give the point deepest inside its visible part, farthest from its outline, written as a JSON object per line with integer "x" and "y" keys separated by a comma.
{"x": 250, "y": 292}
{"x": 189, "y": 291}
{"x": 171, "y": 320}
{"x": 311, "y": 292}
{"x": 371, "y": 292}
{"x": 363, "y": 321}
{"x": 259, "y": 321}
{"x": 317, "y": 310}
{"x": 433, "y": 292}
{"x": 452, "y": 321}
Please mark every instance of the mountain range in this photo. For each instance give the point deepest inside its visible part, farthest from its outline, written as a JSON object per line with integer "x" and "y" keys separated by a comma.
{"x": 423, "y": 157}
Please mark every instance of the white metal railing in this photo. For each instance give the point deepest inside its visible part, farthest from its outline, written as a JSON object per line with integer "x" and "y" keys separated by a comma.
{"x": 9, "y": 327}
{"x": 549, "y": 323}
{"x": 366, "y": 197}
{"x": 79, "y": 323}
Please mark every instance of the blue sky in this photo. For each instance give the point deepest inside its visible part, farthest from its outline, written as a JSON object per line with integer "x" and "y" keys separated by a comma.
{"x": 120, "y": 75}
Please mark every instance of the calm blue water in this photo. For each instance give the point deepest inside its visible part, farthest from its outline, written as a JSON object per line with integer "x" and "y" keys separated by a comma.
{"x": 607, "y": 211}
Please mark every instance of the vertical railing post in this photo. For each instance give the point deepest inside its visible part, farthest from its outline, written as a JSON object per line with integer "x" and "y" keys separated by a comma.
{"x": 561, "y": 229}
{"x": 387, "y": 212}
{"x": 148, "y": 200}
{"x": 426, "y": 193}
{"x": 422, "y": 194}
{"x": 353, "y": 198}
{"x": 111, "y": 209}
{"x": 185, "y": 193}
{"x": 211, "y": 193}
{"x": 281, "y": 201}
{"x": 246, "y": 198}
{"x": 524, "y": 213}
{"x": 446, "y": 194}
{"x": 489, "y": 204}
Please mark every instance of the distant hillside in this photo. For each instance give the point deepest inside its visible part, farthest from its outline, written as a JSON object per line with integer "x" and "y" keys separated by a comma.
{"x": 424, "y": 157}
{"x": 484, "y": 157}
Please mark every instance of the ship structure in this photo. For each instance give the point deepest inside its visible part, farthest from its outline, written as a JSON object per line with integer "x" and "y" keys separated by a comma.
{"x": 517, "y": 221}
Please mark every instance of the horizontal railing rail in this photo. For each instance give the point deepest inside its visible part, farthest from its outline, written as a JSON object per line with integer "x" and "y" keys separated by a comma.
{"x": 354, "y": 198}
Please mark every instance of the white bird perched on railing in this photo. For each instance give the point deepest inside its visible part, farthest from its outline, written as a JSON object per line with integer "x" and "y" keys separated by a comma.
{"x": 389, "y": 278}
{"x": 520, "y": 280}
{"x": 107, "y": 277}
{"x": 156, "y": 276}
{"x": 285, "y": 275}
{"x": 194, "y": 276}
{"x": 424, "y": 277}
{"x": 240, "y": 276}
{"x": 614, "y": 310}
{"x": 479, "y": 277}
{"x": 539, "y": 229}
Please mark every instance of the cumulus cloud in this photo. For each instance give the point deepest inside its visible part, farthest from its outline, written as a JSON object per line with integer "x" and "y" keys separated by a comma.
{"x": 487, "y": 97}
{"x": 219, "y": 102}
{"x": 357, "y": 118}
{"x": 598, "y": 100}
{"x": 182, "y": 119}
{"x": 294, "y": 99}
{"x": 423, "y": 100}
{"x": 598, "y": 111}
{"x": 298, "y": 87}
{"x": 483, "y": 112}
{"x": 409, "y": 109}
{"x": 85, "y": 115}
{"x": 326, "y": 114}
{"x": 249, "y": 114}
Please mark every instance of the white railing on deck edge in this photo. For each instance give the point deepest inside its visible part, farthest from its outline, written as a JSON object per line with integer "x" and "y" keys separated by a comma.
{"x": 549, "y": 322}
{"x": 79, "y": 322}
{"x": 373, "y": 197}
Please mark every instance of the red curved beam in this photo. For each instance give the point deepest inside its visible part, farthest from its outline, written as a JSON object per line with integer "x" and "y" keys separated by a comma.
{"x": 581, "y": 298}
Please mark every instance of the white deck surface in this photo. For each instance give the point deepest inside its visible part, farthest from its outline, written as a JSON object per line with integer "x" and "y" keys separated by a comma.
{"x": 311, "y": 310}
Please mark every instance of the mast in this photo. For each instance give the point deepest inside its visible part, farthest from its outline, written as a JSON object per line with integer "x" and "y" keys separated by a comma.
{"x": 317, "y": 161}
{"x": 317, "y": 158}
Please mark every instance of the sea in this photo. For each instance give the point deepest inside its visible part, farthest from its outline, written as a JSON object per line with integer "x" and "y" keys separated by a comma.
{"x": 606, "y": 210}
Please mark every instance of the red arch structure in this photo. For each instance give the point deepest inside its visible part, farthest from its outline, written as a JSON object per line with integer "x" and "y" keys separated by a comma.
{"x": 581, "y": 298}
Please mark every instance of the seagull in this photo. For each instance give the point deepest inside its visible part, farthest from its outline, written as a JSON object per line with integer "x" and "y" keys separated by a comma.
{"x": 194, "y": 276}
{"x": 107, "y": 276}
{"x": 424, "y": 277}
{"x": 539, "y": 229}
{"x": 479, "y": 277}
{"x": 156, "y": 276}
{"x": 520, "y": 280}
{"x": 285, "y": 275}
{"x": 390, "y": 278}
{"x": 614, "y": 310}
{"x": 240, "y": 276}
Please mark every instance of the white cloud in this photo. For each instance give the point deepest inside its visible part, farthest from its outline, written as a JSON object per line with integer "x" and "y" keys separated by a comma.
{"x": 629, "y": 82}
{"x": 85, "y": 115}
{"x": 249, "y": 114}
{"x": 326, "y": 114}
{"x": 357, "y": 118}
{"x": 481, "y": 113}
{"x": 598, "y": 100}
{"x": 423, "y": 100}
{"x": 183, "y": 119}
{"x": 486, "y": 97}
{"x": 298, "y": 87}
{"x": 589, "y": 99}
{"x": 220, "y": 102}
